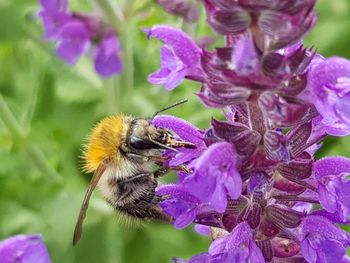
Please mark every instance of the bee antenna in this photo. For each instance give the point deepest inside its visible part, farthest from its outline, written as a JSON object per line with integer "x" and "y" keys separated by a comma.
{"x": 169, "y": 107}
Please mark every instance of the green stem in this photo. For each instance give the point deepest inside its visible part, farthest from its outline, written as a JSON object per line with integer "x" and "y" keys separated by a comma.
{"x": 126, "y": 37}
{"x": 111, "y": 15}
{"x": 32, "y": 150}
{"x": 113, "y": 98}
{"x": 42, "y": 164}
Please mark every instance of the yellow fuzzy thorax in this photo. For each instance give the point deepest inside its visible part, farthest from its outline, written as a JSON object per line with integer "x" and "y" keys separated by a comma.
{"x": 104, "y": 141}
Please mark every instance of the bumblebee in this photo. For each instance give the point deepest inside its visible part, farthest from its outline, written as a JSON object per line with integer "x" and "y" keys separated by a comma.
{"x": 121, "y": 153}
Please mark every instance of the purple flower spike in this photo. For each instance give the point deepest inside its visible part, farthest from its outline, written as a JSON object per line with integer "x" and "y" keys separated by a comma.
{"x": 180, "y": 57}
{"x": 215, "y": 176}
{"x": 24, "y": 249}
{"x": 187, "y": 132}
{"x": 333, "y": 187}
{"x": 329, "y": 90}
{"x": 107, "y": 57}
{"x": 74, "y": 41}
{"x": 322, "y": 241}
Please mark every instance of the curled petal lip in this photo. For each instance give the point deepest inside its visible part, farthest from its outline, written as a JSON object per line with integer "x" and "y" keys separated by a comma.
{"x": 184, "y": 47}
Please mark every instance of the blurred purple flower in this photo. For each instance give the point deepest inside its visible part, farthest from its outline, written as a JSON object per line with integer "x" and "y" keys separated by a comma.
{"x": 73, "y": 41}
{"x": 180, "y": 57}
{"x": 107, "y": 56}
{"x": 75, "y": 33}
{"x": 329, "y": 90}
{"x": 24, "y": 249}
{"x": 54, "y": 15}
{"x": 322, "y": 241}
{"x": 182, "y": 8}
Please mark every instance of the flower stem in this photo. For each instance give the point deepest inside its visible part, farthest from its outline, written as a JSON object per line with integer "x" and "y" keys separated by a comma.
{"x": 113, "y": 98}
{"x": 32, "y": 150}
{"x": 115, "y": 20}
{"x": 126, "y": 37}
{"x": 125, "y": 34}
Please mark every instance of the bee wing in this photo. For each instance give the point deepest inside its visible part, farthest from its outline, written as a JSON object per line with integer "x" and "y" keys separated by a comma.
{"x": 84, "y": 206}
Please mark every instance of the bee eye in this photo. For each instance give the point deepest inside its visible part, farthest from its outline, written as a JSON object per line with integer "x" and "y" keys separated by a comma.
{"x": 141, "y": 144}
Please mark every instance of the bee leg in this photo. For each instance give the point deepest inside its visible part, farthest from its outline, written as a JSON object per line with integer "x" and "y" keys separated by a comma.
{"x": 160, "y": 172}
{"x": 136, "y": 179}
{"x": 144, "y": 158}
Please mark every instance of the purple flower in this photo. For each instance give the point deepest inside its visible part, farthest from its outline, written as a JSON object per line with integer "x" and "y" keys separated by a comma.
{"x": 182, "y": 206}
{"x": 24, "y": 249}
{"x": 254, "y": 178}
{"x": 333, "y": 186}
{"x": 180, "y": 57}
{"x": 54, "y": 15}
{"x": 329, "y": 90}
{"x": 186, "y": 132}
{"x": 75, "y": 33}
{"x": 322, "y": 241}
{"x": 107, "y": 56}
{"x": 73, "y": 41}
{"x": 236, "y": 247}
{"x": 215, "y": 176}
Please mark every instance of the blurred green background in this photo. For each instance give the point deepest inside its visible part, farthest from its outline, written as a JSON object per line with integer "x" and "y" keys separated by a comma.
{"x": 47, "y": 108}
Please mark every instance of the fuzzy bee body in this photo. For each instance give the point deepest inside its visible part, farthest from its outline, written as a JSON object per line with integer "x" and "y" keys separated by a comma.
{"x": 122, "y": 153}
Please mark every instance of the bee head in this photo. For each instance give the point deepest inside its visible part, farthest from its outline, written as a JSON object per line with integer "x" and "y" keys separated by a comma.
{"x": 145, "y": 136}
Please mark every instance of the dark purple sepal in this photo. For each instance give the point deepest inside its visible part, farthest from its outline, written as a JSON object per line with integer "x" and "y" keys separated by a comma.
{"x": 293, "y": 86}
{"x": 286, "y": 185}
{"x": 182, "y": 8}
{"x": 266, "y": 249}
{"x": 219, "y": 95}
{"x": 228, "y": 21}
{"x": 283, "y": 217}
{"x": 250, "y": 214}
{"x": 298, "y": 137}
{"x": 281, "y": 112}
{"x": 299, "y": 169}
{"x": 244, "y": 139}
{"x": 283, "y": 29}
{"x": 274, "y": 142}
{"x": 267, "y": 228}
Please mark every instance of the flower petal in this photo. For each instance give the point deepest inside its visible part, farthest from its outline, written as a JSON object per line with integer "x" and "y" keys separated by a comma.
{"x": 24, "y": 248}
{"x": 107, "y": 57}
{"x": 184, "y": 47}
